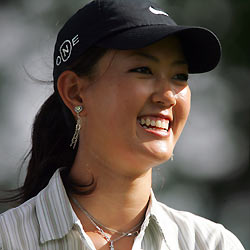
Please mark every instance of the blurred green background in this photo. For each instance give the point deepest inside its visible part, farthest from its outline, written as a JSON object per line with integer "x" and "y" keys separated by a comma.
{"x": 210, "y": 174}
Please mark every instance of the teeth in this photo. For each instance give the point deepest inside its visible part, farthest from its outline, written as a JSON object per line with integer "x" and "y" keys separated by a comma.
{"x": 165, "y": 125}
{"x": 158, "y": 124}
{"x": 155, "y": 123}
{"x": 142, "y": 121}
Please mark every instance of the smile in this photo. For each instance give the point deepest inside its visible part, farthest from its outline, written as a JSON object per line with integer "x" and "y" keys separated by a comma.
{"x": 155, "y": 125}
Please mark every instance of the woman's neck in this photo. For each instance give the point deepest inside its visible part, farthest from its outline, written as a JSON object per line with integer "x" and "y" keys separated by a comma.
{"x": 118, "y": 201}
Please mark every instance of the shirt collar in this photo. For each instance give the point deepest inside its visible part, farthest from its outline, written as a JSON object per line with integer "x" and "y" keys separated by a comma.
{"x": 56, "y": 216}
{"x": 163, "y": 217}
{"x": 54, "y": 211}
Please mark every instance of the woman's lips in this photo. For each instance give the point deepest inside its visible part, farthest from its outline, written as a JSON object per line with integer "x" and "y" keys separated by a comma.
{"x": 154, "y": 122}
{"x": 155, "y": 125}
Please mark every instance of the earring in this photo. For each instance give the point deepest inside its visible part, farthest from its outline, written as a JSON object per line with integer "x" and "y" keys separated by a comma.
{"x": 172, "y": 157}
{"x": 78, "y": 109}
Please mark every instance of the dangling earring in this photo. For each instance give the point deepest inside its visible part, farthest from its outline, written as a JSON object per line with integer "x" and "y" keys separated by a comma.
{"x": 74, "y": 139}
{"x": 172, "y": 157}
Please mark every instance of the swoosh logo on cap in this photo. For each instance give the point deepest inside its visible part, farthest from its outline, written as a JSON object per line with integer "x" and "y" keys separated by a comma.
{"x": 157, "y": 12}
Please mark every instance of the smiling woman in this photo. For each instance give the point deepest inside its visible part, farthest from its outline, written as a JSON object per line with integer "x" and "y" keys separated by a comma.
{"x": 131, "y": 87}
{"x": 120, "y": 104}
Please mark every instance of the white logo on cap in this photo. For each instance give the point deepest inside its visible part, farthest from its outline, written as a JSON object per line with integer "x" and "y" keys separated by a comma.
{"x": 66, "y": 50}
{"x": 157, "y": 12}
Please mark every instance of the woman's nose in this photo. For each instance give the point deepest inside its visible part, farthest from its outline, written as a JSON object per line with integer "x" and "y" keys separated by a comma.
{"x": 164, "y": 96}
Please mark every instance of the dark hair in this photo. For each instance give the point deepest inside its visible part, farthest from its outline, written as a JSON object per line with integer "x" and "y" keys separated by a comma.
{"x": 53, "y": 129}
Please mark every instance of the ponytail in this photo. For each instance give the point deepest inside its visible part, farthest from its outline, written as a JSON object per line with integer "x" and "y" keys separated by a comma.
{"x": 53, "y": 129}
{"x": 51, "y": 137}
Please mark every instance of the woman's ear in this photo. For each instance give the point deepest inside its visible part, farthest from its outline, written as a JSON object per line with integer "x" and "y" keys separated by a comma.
{"x": 70, "y": 87}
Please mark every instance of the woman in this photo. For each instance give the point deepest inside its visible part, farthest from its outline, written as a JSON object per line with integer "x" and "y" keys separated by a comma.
{"x": 120, "y": 103}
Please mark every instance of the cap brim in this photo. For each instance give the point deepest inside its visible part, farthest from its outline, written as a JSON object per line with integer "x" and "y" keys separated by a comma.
{"x": 201, "y": 47}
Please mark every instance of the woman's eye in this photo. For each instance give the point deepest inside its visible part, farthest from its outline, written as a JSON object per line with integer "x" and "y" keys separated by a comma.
{"x": 181, "y": 77}
{"x": 142, "y": 70}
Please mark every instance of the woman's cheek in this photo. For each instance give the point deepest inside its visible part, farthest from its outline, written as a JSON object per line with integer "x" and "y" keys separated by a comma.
{"x": 182, "y": 107}
{"x": 183, "y": 99}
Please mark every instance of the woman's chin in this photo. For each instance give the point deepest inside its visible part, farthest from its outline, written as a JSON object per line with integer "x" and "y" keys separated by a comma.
{"x": 159, "y": 152}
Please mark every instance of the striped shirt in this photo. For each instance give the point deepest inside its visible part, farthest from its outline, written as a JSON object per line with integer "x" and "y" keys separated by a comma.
{"x": 48, "y": 222}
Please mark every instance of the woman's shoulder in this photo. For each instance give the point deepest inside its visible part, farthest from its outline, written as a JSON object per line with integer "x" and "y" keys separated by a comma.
{"x": 17, "y": 223}
{"x": 20, "y": 213}
{"x": 203, "y": 232}
{"x": 185, "y": 217}
{"x": 43, "y": 219}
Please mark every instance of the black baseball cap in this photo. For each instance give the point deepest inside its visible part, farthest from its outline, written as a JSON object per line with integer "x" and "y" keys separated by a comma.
{"x": 131, "y": 24}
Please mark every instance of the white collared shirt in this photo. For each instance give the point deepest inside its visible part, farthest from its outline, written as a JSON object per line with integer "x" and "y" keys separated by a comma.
{"x": 48, "y": 222}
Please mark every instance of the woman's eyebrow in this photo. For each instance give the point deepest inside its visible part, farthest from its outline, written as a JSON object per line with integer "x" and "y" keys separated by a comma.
{"x": 155, "y": 59}
{"x": 180, "y": 62}
{"x": 146, "y": 55}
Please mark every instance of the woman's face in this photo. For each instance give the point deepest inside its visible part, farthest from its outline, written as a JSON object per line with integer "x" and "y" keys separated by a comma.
{"x": 137, "y": 106}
